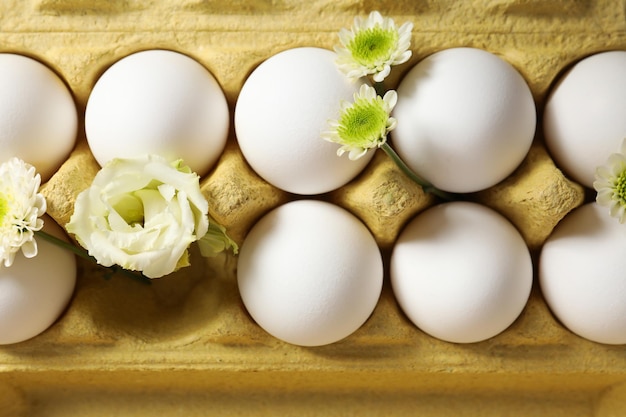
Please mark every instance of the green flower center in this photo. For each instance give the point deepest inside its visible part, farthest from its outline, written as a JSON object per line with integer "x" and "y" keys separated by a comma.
{"x": 620, "y": 187}
{"x": 130, "y": 208}
{"x": 373, "y": 46}
{"x": 4, "y": 208}
{"x": 363, "y": 124}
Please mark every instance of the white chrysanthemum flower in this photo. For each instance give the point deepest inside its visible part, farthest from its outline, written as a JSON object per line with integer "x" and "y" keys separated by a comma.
{"x": 610, "y": 184}
{"x": 363, "y": 124}
{"x": 373, "y": 46}
{"x": 21, "y": 206}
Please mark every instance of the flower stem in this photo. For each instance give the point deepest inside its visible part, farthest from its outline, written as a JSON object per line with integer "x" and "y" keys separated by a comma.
{"x": 83, "y": 254}
{"x": 426, "y": 186}
{"x": 380, "y": 88}
{"x": 63, "y": 244}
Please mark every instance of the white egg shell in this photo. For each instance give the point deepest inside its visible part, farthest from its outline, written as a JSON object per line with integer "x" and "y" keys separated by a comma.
{"x": 466, "y": 119}
{"x": 582, "y": 274}
{"x": 583, "y": 120}
{"x": 310, "y": 273}
{"x": 158, "y": 102}
{"x": 283, "y": 108}
{"x": 38, "y": 120}
{"x": 34, "y": 292}
{"x": 461, "y": 272}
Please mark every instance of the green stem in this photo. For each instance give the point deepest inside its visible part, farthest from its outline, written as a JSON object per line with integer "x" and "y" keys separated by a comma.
{"x": 426, "y": 186}
{"x": 380, "y": 88}
{"x": 83, "y": 254}
{"x": 63, "y": 244}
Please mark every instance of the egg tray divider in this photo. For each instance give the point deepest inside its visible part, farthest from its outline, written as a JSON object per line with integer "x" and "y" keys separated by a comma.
{"x": 186, "y": 344}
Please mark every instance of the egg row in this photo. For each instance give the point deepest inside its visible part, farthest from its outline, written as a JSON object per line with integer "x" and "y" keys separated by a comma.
{"x": 466, "y": 117}
{"x": 310, "y": 273}
{"x": 158, "y": 102}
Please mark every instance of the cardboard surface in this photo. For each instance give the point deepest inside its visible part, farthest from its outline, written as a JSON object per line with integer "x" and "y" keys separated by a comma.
{"x": 186, "y": 346}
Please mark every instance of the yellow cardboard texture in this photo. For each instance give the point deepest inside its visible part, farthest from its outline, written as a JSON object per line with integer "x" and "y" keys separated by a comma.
{"x": 186, "y": 346}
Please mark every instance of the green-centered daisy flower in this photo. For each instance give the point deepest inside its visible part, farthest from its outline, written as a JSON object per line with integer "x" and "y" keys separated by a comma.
{"x": 610, "y": 184}
{"x": 21, "y": 206}
{"x": 372, "y": 46}
{"x": 363, "y": 124}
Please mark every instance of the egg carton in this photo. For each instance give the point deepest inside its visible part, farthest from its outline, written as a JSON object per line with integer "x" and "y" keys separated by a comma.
{"x": 185, "y": 344}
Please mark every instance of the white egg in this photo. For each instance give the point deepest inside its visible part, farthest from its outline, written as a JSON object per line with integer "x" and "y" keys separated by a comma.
{"x": 34, "y": 292}
{"x": 461, "y": 272}
{"x": 582, "y": 274}
{"x": 38, "y": 120}
{"x": 583, "y": 120}
{"x": 158, "y": 102}
{"x": 466, "y": 119}
{"x": 281, "y": 111}
{"x": 310, "y": 273}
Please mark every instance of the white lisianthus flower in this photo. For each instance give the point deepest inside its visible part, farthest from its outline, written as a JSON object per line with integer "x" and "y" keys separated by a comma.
{"x": 21, "y": 206}
{"x": 141, "y": 214}
{"x": 610, "y": 184}
{"x": 372, "y": 46}
{"x": 363, "y": 124}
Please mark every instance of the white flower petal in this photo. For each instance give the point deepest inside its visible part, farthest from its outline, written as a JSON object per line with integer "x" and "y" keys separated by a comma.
{"x": 365, "y": 92}
{"x": 621, "y": 214}
{"x": 356, "y": 153}
{"x": 404, "y": 57}
{"x": 603, "y": 173}
{"x": 8, "y": 259}
{"x": 345, "y": 36}
{"x": 614, "y": 209}
{"x": 391, "y": 124}
{"x": 29, "y": 248}
{"x": 167, "y": 191}
{"x": 375, "y": 18}
{"x": 390, "y": 98}
{"x": 405, "y": 30}
{"x": 381, "y": 75}
{"x": 604, "y": 197}
{"x": 616, "y": 163}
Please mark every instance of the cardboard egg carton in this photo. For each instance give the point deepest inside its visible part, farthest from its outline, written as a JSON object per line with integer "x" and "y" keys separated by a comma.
{"x": 186, "y": 342}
